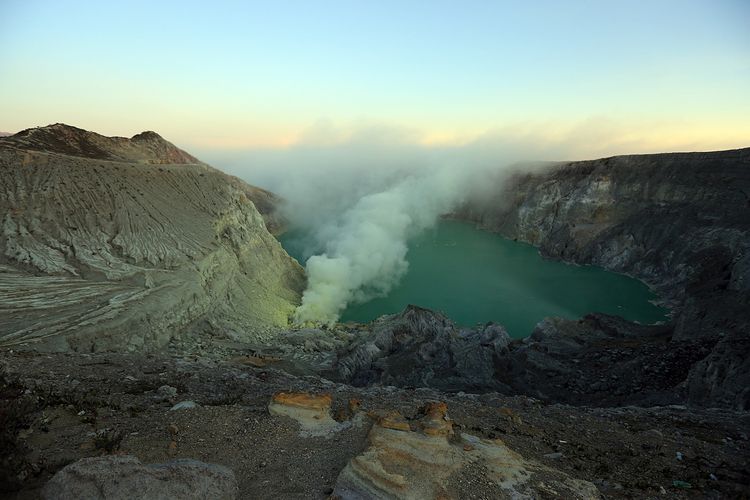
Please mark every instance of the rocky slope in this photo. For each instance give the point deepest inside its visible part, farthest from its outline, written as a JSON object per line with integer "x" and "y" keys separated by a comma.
{"x": 680, "y": 222}
{"x": 599, "y": 360}
{"x": 111, "y": 243}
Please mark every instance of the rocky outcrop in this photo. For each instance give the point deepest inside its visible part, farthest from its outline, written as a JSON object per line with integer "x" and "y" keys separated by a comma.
{"x": 433, "y": 461}
{"x": 312, "y": 412}
{"x": 126, "y": 243}
{"x": 599, "y": 360}
{"x": 418, "y": 348}
{"x": 678, "y": 221}
{"x": 125, "y": 477}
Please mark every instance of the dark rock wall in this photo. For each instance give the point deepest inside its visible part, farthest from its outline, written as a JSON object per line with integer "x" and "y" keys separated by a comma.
{"x": 681, "y": 223}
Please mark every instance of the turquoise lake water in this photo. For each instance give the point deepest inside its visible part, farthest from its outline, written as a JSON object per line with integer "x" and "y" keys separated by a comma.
{"x": 475, "y": 276}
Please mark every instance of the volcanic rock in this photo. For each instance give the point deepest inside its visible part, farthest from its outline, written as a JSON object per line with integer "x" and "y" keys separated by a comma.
{"x": 124, "y": 477}
{"x": 419, "y": 347}
{"x": 312, "y": 412}
{"x": 678, "y": 221}
{"x": 128, "y": 243}
{"x": 399, "y": 464}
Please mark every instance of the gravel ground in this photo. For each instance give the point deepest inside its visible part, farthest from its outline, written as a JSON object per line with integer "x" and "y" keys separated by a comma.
{"x": 62, "y": 407}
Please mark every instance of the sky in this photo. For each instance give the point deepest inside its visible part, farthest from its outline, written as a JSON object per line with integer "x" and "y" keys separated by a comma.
{"x": 605, "y": 76}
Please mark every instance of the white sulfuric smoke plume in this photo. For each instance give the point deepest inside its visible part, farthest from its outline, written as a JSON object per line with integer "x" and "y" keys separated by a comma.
{"x": 365, "y": 252}
{"x": 354, "y": 203}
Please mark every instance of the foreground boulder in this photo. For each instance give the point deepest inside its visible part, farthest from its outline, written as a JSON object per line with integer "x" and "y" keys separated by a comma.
{"x": 125, "y": 478}
{"x": 427, "y": 459}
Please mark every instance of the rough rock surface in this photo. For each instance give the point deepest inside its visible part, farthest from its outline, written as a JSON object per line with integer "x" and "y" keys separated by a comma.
{"x": 108, "y": 242}
{"x": 678, "y": 221}
{"x": 432, "y": 461}
{"x": 125, "y": 477}
{"x": 312, "y": 412}
{"x": 598, "y": 360}
{"x": 419, "y": 347}
{"x": 69, "y": 406}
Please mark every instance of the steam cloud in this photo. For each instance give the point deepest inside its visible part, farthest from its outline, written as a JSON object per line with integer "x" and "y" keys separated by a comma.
{"x": 365, "y": 253}
{"x": 357, "y": 202}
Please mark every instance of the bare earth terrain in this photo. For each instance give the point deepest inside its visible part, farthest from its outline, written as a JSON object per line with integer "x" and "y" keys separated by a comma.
{"x": 89, "y": 405}
{"x": 144, "y": 320}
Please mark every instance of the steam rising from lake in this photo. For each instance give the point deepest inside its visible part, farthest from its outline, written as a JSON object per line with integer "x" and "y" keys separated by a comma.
{"x": 364, "y": 253}
{"x": 357, "y": 220}
{"x": 358, "y": 202}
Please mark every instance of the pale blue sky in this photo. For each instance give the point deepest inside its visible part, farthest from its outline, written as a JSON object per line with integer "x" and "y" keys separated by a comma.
{"x": 664, "y": 73}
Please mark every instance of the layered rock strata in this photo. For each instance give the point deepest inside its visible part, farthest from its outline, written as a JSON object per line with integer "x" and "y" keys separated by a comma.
{"x": 433, "y": 461}
{"x": 109, "y": 242}
{"x": 312, "y": 412}
{"x": 678, "y": 221}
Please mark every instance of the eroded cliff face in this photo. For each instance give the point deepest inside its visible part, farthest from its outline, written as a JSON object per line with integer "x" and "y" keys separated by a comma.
{"x": 680, "y": 222}
{"x": 125, "y": 243}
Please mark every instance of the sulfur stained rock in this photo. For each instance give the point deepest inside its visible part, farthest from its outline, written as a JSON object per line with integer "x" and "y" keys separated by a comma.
{"x": 401, "y": 464}
{"x": 321, "y": 402}
{"x": 393, "y": 420}
{"x": 435, "y": 421}
{"x": 312, "y": 412}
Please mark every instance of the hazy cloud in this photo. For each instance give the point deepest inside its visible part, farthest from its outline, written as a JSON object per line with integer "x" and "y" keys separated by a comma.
{"x": 357, "y": 194}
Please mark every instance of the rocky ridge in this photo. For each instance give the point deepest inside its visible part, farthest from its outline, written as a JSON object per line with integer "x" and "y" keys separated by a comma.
{"x": 678, "y": 221}
{"x": 146, "y": 147}
{"x": 598, "y": 360}
{"x": 125, "y": 243}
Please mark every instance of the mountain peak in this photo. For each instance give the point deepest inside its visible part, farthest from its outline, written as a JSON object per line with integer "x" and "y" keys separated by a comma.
{"x": 147, "y": 135}
{"x": 61, "y": 138}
